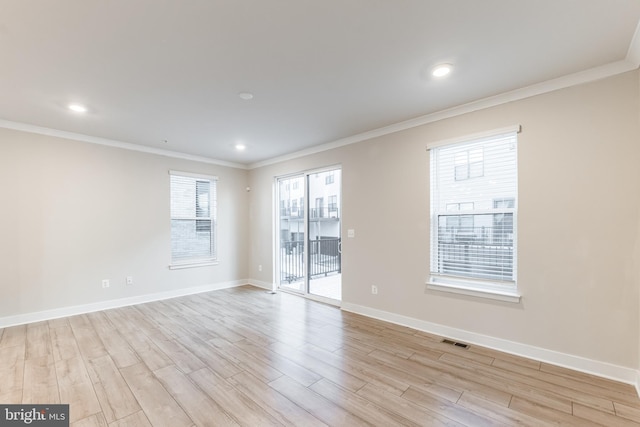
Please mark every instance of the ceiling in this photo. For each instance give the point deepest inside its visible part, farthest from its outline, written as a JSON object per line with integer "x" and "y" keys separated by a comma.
{"x": 167, "y": 74}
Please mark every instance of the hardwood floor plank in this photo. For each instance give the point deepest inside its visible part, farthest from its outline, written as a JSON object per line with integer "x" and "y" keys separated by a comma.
{"x": 446, "y": 408}
{"x": 12, "y": 369}
{"x": 603, "y": 418}
{"x": 560, "y": 389}
{"x": 582, "y": 384}
{"x": 275, "y": 404}
{"x": 499, "y": 413}
{"x": 58, "y": 323}
{"x": 319, "y": 367}
{"x": 315, "y": 404}
{"x": 245, "y": 361}
{"x": 244, "y": 410}
{"x": 588, "y": 378}
{"x": 63, "y": 343}
{"x": 11, "y": 398}
{"x": 139, "y": 419}
{"x": 14, "y": 336}
{"x": 38, "y": 341}
{"x": 186, "y": 361}
{"x": 40, "y": 381}
{"x": 293, "y": 370}
{"x": 211, "y": 356}
{"x": 361, "y": 368}
{"x": 200, "y": 407}
{"x": 405, "y": 408}
{"x": 96, "y": 420}
{"x": 241, "y": 356}
{"x": 115, "y": 397}
{"x": 146, "y": 350}
{"x": 436, "y": 372}
{"x": 87, "y": 338}
{"x": 76, "y": 389}
{"x": 628, "y": 412}
{"x": 547, "y": 414}
{"x": 358, "y": 405}
{"x": 158, "y": 405}
{"x": 542, "y": 397}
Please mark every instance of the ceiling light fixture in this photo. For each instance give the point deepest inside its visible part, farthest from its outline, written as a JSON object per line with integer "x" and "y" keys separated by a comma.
{"x": 78, "y": 108}
{"x": 441, "y": 70}
{"x": 241, "y": 147}
{"x": 245, "y": 95}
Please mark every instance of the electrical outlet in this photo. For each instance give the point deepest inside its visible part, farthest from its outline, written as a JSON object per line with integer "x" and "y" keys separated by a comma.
{"x": 260, "y": 267}
{"x": 374, "y": 289}
{"x": 105, "y": 283}
{"x": 129, "y": 280}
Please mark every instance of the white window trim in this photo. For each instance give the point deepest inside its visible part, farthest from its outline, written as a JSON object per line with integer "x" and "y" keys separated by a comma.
{"x": 478, "y": 135}
{"x": 194, "y": 262}
{"x": 463, "y": 287}
{"x": 488, "y": 292}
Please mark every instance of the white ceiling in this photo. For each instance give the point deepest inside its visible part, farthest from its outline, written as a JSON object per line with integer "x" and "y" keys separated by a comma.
{"x": 321, "y": 71}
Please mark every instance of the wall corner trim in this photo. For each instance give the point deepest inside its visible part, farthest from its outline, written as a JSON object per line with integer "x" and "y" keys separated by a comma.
{"x": 56, "y": 313}
{"x": 577, "y": 363}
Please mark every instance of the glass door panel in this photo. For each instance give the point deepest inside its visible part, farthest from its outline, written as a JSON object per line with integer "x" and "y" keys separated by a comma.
{"x": 323, "y": 232}
{"x": 291, "y": 226}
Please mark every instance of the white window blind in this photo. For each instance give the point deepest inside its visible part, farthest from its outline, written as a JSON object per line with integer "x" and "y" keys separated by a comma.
{"x": 193, "y": 218}
{"x": 474, "y": 187}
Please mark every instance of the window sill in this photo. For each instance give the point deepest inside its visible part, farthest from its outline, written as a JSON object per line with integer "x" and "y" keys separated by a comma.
{"x": 494, "y": 294}
{"x": 193, "y": 264}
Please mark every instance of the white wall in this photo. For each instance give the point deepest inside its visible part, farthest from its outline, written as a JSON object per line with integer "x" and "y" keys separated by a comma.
{"x": 75, "y": 213}
{"x": 579, "y": 203}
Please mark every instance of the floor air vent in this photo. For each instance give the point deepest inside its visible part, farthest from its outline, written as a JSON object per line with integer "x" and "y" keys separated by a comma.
{"x": 457, "y": 344}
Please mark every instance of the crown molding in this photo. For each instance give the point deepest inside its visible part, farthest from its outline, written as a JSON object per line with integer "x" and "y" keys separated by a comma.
{"x": 631, "y": 62}
{"x": 26, "y": 127}
{"x": 575, "y": 79}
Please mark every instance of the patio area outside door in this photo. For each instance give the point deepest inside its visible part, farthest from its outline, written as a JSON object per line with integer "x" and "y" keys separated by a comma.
{"x": 308, "y": 258}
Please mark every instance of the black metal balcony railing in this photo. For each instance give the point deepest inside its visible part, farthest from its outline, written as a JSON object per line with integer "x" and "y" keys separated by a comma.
{"x": 324, "y": 258}
{"x": 480, "y": 252}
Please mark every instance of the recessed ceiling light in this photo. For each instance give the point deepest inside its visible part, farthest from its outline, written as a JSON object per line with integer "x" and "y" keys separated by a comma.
{"x": 78, "y": 108}
{"x": 245, "y": 95}
{"x": 241, "y": 147}
{"x": 441, "y": 70}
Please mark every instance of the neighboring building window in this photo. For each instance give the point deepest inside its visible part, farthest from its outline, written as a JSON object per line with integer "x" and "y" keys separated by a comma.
{"x": 469, "y": 163}
{"x": 333, "y": 203}
{"x": 473, "y": 213}
{"x": 193, "y": 218}
{"x": 328, "y": 179}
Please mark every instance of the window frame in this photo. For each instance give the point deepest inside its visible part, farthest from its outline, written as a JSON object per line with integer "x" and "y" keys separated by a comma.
{"x": 477, "y": 287}
{"x": 196, "y": 261}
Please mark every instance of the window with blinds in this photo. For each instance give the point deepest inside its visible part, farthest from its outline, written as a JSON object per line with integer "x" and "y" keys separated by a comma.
{"x": 474, "y": 186}
{"x": 193, "y": 218}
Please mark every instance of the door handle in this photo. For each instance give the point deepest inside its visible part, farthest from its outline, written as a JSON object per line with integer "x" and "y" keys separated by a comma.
{"x": 339, "y": 247}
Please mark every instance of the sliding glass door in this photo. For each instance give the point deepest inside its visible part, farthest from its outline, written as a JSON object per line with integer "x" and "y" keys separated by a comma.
{"x": 308, "y": 238}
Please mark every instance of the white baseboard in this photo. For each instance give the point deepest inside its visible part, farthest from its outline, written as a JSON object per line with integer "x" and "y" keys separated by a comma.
{"x": 578, "y": 363}
{"x": 21, "y": 319}
{"x": 260, "y": 284}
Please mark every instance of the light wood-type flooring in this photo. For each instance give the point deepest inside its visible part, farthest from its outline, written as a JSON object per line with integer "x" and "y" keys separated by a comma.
{"x": 244, "y": 357}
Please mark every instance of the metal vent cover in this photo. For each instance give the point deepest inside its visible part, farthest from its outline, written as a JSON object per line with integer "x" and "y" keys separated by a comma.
{"x": 455, "y": 343}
